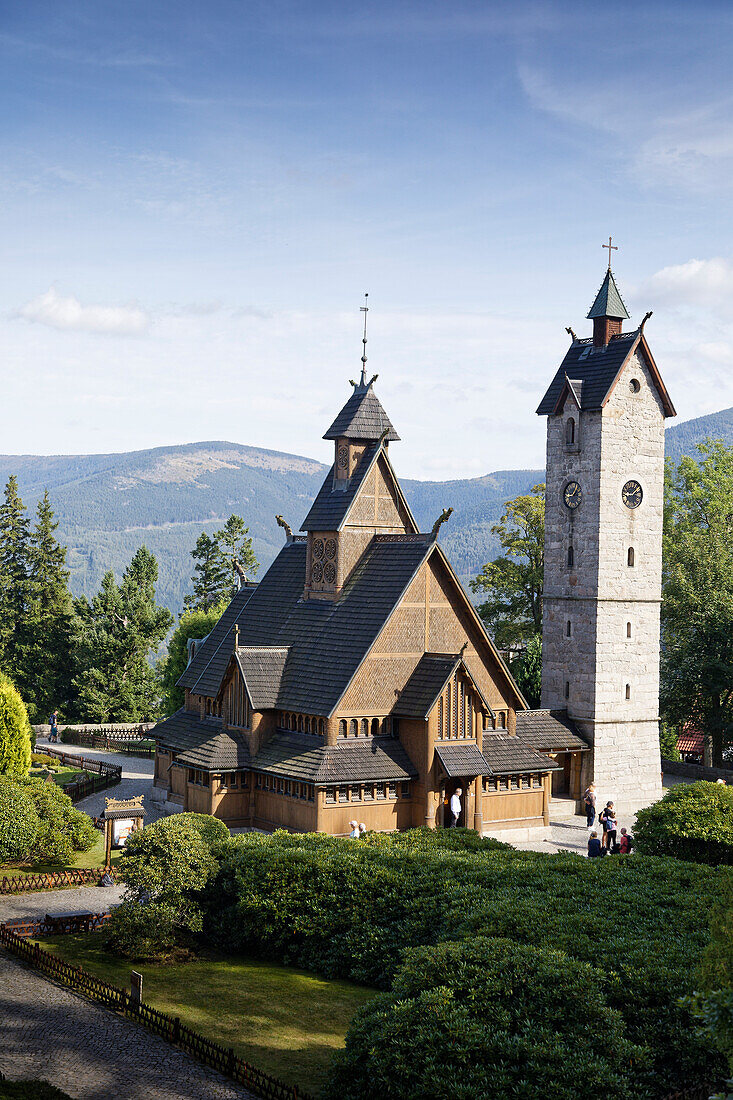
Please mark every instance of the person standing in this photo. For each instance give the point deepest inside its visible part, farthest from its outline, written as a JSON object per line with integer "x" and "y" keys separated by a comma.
{"x": 589, "y": 800}
{"x": 455, "y": 807}
{"x": 607, "y": 818}
{"x": 54, "y": 734}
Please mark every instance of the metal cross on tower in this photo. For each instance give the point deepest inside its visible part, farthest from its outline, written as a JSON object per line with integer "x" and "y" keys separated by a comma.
{"x": 610, "y": 247}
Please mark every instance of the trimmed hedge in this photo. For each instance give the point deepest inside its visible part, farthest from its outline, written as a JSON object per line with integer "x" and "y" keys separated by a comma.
{"x": 694, "y": 821}
{"x": 19, "y": 822}
{"x": 488, "y": 1016}
{"x": 352, "y": 909}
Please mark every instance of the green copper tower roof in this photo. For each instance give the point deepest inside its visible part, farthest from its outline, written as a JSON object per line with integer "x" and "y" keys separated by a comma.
{"x": 608, "y": 301}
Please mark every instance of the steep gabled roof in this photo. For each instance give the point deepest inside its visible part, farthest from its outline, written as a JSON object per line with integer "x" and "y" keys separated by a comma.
{"x": 330, "y": 509}
{"x": 432, "y": 673}
{"x": 262, "y": 669}
{"x": 305, "y": 757}
{"x": 608, "y": 301}
{"x": 362, "y": 417}
{"x": 598, "y": 369}
{"x": 209, "y": 647}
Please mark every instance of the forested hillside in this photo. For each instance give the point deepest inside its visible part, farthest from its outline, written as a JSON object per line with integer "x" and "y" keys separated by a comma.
{"x": 164, "y": 497}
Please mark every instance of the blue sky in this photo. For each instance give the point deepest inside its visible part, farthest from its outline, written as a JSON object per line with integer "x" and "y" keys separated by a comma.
{"x": 196, "y": 196}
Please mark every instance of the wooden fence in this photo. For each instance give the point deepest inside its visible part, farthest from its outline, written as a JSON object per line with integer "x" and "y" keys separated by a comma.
{"x": 50, "y": 880}
{"x": 103, "y": 774}
{"x": 170, "y": 1028}
{"x": 110, "y": 739}
{"x": 73, "y": 923}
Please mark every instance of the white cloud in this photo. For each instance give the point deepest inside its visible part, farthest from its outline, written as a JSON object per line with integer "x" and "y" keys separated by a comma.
{"x": 706, "y": 284}
{"x": 68, "y": 314}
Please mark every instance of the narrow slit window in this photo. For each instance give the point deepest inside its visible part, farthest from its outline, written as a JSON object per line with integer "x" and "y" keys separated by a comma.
{"x": 628, "y": 630}
{"x": 570, "y": 431}
{"x": 569, "y": 629}
{"x": 567, "y": 689}
{"x": 571, "y": 557}
{"x": 630, "y": 557}
{"x": 628, "y": 691}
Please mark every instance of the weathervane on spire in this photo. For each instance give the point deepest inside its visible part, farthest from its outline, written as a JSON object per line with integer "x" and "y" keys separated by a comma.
{"x": 364, "y": 309}
{"x": 610, "y": 247}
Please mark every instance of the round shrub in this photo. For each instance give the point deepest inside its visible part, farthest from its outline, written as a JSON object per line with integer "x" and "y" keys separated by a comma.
{"x": 137, "y": 931}
{"x": 693, "y": 821}
{"x": 484, "y": 1018}
{"x": 62, "y": 829}
{"x": 15, "y": 731}
{"x": 211, "y": 830}
{"x": 19, "y": 822}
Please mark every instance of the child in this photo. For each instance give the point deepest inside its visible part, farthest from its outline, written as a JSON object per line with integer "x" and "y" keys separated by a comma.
{"x": 625, "y": 844}
{"x": 594, "y": 846}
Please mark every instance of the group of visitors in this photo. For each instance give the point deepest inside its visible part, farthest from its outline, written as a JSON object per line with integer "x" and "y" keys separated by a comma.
{"x": 607, "y": 843}
{"x": 358, "y": 829}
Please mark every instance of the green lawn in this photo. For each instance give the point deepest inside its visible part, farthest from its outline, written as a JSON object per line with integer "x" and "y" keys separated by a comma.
{"x": 93, "y": 858}
{"x": 61, "y": 775}
{"x": 284, "y": 1021}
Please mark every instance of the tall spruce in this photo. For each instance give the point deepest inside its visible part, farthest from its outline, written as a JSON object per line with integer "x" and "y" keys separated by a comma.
{"x": 50, "y": 618}
{"x": 218, "y": 560}
{"x": 118, "y": 632}
{"x": 15, "y": 585}
{"x": 236, "y": 548}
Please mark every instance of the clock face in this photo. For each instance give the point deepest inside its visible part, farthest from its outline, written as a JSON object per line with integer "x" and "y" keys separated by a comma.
{"x": 343, "y": 456}
{"x": 572, "y": 495}
{"x": 632, "y": 494}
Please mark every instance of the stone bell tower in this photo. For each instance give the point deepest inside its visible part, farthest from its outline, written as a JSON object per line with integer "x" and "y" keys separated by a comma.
{"x": 605, "y": 411}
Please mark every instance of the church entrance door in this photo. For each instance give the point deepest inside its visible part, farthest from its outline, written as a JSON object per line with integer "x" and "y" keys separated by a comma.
{"x": 451, "y": 785}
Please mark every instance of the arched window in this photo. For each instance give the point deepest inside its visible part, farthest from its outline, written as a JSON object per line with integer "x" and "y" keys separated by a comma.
{"x": 628, "y": 691}
{"x": 502, "y": 720}
{"x": 375, "y": 727}
{"x": 354, "y": 728}
{"x": 455, "y": 705}
{"x": 630, "y": 557}
{"x": 342, "y": 728}
{"x": 569, "y": 629}
{"x": 469, "y": 716}
{"x": 300, "y": 723}
{"x": 440, "y": 717}
{"x": 628, "y": 630}
{"x": 570, "y": 431}
{"x": 365, "y": 727}
{"x": 307, "y": 724}
{"x": 321, "y": 727}
{"x": 571, "y": 557}
{"x": 462, "y": 712}
{"x": 447, "y": 711}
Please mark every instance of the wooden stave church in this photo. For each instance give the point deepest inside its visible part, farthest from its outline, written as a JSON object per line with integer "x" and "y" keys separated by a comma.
{"x": 356, "y": 680}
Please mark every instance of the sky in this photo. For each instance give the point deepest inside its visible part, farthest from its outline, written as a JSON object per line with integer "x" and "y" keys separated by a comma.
{"x": 194, "y": 199}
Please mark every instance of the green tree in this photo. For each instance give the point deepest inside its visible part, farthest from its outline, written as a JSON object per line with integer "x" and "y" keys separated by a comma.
{"x": 697, "y": 610}
{"x": 512, "y": 583}
{"x": 50, "y": 618}
{"x": 14, "y": 584}
{"x": 236, "y": 547}
{"x": 15, "y": 731}
{"x": 192, "y": 624}
{"x": 62, "y": 829}
{"x": 527, "y": 671}
{"x": 117, "y": 633}
{"x": 211, "y": 575}
{"x": 18, "y": 822}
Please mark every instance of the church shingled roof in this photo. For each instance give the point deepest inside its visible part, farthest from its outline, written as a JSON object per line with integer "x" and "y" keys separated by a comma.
{"x": 202, "y": 742}
{"x": 327, "y": 639}
{"x": 334, "y": 498}
{"x": 608, "y": 302}
{"x": 549, "y": 731}
{"x": 461, "y": 759}
{"x": 507, "y": 755}
{"x": 305, "y": 757}
{"x": 362, "y": 417}
{"x": 262, "y": 668}
{"x": 207, "y": 650}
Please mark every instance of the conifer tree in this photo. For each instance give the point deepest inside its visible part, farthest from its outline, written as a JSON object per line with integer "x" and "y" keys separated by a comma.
{"x": 14, "y": 583}
{"x": 211, "y": 575}
{"x": 118, "y": 632}
{"x": 236, "y": 547}
{"x": 15, "y": 731}
{"x": 50, "y": 618}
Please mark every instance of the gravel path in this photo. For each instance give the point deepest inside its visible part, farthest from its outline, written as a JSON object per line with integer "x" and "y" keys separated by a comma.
{"x": 137, "y": 778}
{"x": 90, "y": 1052}
{"x": 92, "y": 899}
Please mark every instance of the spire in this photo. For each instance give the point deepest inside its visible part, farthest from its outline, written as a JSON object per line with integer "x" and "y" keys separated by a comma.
{"x": 364, "y": 309}
{"x": 608, "y": 301}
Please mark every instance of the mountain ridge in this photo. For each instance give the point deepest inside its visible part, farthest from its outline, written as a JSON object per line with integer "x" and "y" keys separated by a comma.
{"x": 107, "y": 504}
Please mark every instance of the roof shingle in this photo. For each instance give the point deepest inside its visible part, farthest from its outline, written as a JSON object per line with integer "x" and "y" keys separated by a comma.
{"x": 507, "y": 755}
{"x": 362, "y": 417}
{"x": 461, "y": 758}
{"x": 202, "y": 742}
{"x": 303, "y": 756}
{"x": 549, "y": 731}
